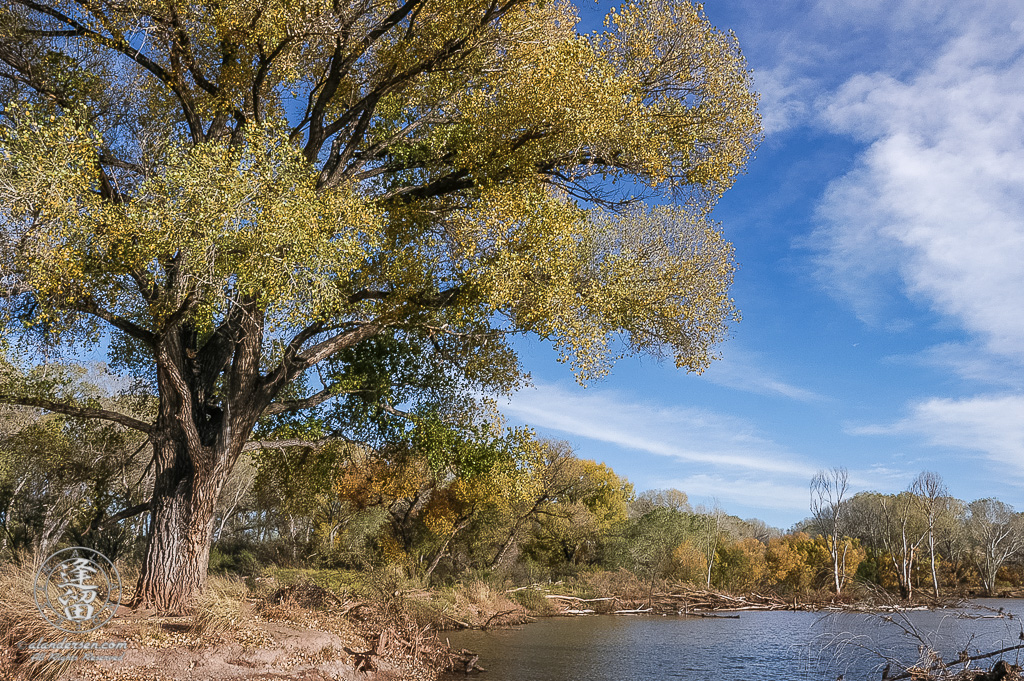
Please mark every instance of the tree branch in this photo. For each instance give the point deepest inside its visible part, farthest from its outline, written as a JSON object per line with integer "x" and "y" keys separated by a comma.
{"x": 261, "y": 74}
{"x": 306, "y": 403}
{"x": 127, "y": 513}
{"x": 284, "y": 444}
{"x": 119, "y": 44}
{"x": 89, "y": 306}
{"x": 184, "y": 413}
{"x": 79, "y": 412}
{"x": 325, "y": 349}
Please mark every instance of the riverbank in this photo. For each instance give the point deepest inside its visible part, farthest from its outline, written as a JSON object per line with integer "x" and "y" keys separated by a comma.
{"x": 241, "y": 630}
{"x": 309, "y": 625}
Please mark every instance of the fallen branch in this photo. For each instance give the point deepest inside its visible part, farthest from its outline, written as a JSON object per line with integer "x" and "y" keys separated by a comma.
{"x": 496, "y": 615}
{"x": 580, "y": 600}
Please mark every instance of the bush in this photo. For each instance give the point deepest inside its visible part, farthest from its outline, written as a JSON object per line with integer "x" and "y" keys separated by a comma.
{"x": 241, "y": 558}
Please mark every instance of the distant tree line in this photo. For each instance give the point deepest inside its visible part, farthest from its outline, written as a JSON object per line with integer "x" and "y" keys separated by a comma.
{"x": 920, "y": 538}
{"x": 530, "y": 510}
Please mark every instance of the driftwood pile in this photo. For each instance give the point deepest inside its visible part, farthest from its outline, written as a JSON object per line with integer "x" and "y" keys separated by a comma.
{"x": 687, "y": 600}
{"x": 684, "y": 600}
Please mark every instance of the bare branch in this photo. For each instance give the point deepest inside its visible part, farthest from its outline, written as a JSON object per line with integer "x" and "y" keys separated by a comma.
{"x": 285, "y": 444}
{"x": 127, "y": 513}
{"x": 306, "y": 403}
{"x": 325, "y": 349}
{"x": 78, "y": 411}
{"x": 90, "y": 306}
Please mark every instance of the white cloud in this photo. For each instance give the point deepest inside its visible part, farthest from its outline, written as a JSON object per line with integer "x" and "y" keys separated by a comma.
{"x": 990, "y": 424}
{"x": 785, "y": 97}
{"x": 686, "y": 434}
{"x": 938, "y": 196}
{"x": 745, "y": 491}
{"x": 707, "y": 454}
{"x": 970, "y": 361}
{"x": 743, "y": 370}
{"x": 881, "y": 15}
{"x": 800, "y": 57}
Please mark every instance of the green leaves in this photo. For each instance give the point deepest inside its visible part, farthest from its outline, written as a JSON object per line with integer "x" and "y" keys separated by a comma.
{"x": 469, "y": 450}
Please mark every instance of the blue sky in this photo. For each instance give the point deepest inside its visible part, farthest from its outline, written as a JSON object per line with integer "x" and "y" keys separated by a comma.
{"x": 880, "y": 237}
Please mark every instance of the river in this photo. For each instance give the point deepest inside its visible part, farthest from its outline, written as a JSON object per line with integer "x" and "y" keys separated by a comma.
{"x": 759, "y": 645}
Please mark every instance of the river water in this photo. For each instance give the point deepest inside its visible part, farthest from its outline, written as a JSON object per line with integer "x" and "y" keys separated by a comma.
{"x": 779, "y": 646}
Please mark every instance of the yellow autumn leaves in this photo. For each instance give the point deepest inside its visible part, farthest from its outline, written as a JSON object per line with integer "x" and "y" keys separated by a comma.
{"x": 219, "y": 221}
{"x": 513, "y": 125}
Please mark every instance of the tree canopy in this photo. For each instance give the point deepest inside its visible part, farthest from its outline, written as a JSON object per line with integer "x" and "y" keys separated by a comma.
{"x": 236, "y": 196}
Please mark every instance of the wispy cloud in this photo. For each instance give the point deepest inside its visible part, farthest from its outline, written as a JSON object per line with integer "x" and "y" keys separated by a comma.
{"x": 711, "y": 440}
{"x": 992, "y": 425}
{"x": 707, "y": 454}
{"x": 734, "y": 491}
{"x": 971, "y": 362}
{"x": 785, "y": 97}
{"x": 744, "y": 370}
{"x": 937, "y": 198}
{"x": 797, "y": 62}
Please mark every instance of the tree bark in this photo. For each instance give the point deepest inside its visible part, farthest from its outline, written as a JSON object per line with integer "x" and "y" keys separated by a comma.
{"x": 181, "y": 532}
{"x": 835, "y": 567}
{"x": 504, "y": 549}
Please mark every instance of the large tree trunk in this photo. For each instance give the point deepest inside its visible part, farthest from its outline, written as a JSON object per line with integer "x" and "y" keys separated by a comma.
{"x": 201, "y": 430}
{"x": 181, "y": 532}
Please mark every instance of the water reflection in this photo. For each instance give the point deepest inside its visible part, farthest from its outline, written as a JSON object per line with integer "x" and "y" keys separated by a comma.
{"x": 759, "y": 645}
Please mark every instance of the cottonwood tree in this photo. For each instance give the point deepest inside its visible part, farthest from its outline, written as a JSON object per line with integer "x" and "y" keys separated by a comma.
{"x": 549, "y": 475}
{"x": 708, "y": 524}
{"x": 233, "y": 194}
{"x": 661, "y": 542}
{"x": 894, "y": 526}
{"x": 570, "y": 530}
{"x": 648, "y": 500}
{"x": 829, "y": 517}
{"x": 996, "y": 534}
{"x": 951, "y": 529}
{"x": 904, "y": 528}
{"x": 930, "y": 492}
{"x": 64, "y": 477}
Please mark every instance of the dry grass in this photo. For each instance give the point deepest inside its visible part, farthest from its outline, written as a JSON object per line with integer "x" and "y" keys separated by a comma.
{"x": 534, "y": 601}
{"x": 477, "y": 604}
{"x": 20, "y": 625}
{"x": 221, "y": 610}
{"x": 621, "y": 583}
{"x": 292, "y": 603}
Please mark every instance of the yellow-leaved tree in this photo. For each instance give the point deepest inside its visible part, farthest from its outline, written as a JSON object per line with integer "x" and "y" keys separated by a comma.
{"x": 233, "y": 195}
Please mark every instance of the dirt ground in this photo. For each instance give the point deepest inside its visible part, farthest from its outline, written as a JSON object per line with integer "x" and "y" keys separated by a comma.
{"x": 316, "y": 647}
